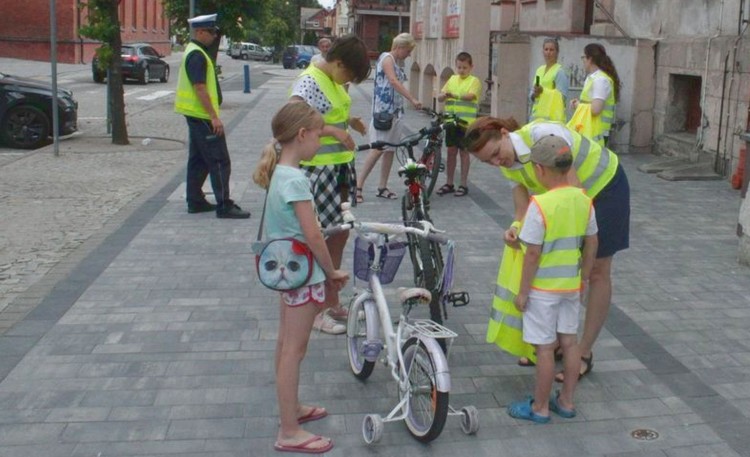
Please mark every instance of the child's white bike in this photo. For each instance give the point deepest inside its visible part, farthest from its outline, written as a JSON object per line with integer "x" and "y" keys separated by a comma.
{"x": 416, "y": 360}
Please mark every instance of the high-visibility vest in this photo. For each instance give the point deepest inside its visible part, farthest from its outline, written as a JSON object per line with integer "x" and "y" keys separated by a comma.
{"x": 505, "y": 327}
{"x": 465, "y": 110}
{"x": 602, "y": 123}
{"x": 186, "y": 100}
{"x": 549, "y": 104}
{"x": 332, "y": 151}
{"x": 595, "y": 165}
{"x": 566, "y": 211}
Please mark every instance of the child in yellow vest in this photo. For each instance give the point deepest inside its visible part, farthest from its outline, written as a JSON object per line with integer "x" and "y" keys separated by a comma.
{"x": 555, "y": 269}
{"x": 461, "y": 96}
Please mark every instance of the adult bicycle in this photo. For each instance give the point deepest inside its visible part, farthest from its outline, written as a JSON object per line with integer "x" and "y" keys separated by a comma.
{"x": 426, "y": 256}
{"x": 413, "y": 354}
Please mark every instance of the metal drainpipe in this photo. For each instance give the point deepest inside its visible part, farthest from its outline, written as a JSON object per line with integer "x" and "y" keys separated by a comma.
{"x": 731, "y": 84}
{"x": 704, "y": 120}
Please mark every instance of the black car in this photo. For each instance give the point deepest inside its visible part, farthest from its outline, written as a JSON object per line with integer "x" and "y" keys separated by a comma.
{"x": 140, "y": 61}
{"x": 26, "y": 112}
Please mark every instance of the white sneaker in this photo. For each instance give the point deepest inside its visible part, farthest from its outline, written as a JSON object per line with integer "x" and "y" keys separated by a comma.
{"x": 326, "y": 324}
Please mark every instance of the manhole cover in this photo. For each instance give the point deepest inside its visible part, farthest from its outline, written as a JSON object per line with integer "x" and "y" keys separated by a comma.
{"x": 644, "y": 434}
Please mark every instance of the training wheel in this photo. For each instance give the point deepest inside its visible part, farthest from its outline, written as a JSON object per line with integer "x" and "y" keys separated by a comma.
{"x": 372, "y": 428}
{"x": 469, "y": 420}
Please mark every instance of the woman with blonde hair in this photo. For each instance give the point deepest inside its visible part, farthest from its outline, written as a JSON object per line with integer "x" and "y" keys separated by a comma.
{"x": 388, "y": 99}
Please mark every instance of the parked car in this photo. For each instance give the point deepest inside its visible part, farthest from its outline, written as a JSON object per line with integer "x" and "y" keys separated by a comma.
{"x": 298, "y": 55}
{"x": 248, "y": 51}
{"x": 26, "y": 112}
{"x": 140, "y": 61}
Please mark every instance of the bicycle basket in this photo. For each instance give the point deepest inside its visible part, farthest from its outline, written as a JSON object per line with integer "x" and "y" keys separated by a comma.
{"x": 390, "y": 260}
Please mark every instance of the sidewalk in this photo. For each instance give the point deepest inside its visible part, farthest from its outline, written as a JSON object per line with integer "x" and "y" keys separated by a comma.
{"x": 160, "y": 341}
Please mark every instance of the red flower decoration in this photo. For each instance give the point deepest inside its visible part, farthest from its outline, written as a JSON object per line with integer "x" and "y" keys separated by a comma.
{"x": 298, "y": 248}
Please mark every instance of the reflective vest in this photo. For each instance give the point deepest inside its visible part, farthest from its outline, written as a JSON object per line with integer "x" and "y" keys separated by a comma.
{"x": 549, "y": 104}
{"x": 465, "y": 110}
{"x": 566, "y": 211}
{"x": 505, "y": 327}
{"x": 186, "y": 100}
{"x": 332, "y": 151}
{"x": 595, "y": 165}
{"x": 602, "y": 123}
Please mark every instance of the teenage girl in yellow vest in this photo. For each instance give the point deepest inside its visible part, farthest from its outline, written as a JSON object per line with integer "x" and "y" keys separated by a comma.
{"x": 551, "y": 76}
{"x": 331, "y": 171}
{"x": 461, "y": 96}
{"x": 502, "y": 143}
{"x": 601, "y": 90}
{"x": 557, "y": 225}
{"x": 289, "y": 212}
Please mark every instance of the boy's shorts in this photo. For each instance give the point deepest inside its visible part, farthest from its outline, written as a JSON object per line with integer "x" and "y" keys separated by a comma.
{"x": 548, "y": 314}
{"x": 454, "y": 136}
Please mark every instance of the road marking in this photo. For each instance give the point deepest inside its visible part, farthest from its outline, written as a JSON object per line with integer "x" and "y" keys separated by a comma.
{"x": 134, "y": 91}
{"x": 157, "y": 94}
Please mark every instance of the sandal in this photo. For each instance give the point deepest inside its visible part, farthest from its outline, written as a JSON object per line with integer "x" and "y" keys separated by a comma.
{"x": 305, "y": 446}
{"x": 522, "y": 410}
{"x": 461, "y": 191}
{"x": 384, "y": 192}
{"x": 358, "y": 197}
{"x": 446, "y": 189}
{"x": 526, "y": 362}
{"x": 589, "y": 361}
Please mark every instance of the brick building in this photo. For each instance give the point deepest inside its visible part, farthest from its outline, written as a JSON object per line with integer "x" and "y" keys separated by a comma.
{"x": 378, "y": 21}
{"x": 25, "y": 30}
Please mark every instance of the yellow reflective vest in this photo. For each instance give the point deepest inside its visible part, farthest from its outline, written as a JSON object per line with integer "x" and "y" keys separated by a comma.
{"x": 566, "y": 212}
{"x": 186, "y": 100}
{"x": 332, "y": 151}
{"x": 549, "y": 104}
{"x": 505, "y": 327}
{"x": 465, "y": 110}
{"x": 601, "y": 123}
{"x": 595, "y": 165}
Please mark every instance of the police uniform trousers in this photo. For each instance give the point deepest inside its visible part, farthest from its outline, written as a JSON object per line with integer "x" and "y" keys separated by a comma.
{"x": 207, "y": 155}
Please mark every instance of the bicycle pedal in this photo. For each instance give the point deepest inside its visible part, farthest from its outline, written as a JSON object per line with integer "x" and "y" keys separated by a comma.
{"x": 441, "y": 168}
{"x": 459, "y": 299}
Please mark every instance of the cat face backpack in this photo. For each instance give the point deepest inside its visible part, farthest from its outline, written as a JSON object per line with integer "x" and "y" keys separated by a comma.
{"x": 283, "y": 264}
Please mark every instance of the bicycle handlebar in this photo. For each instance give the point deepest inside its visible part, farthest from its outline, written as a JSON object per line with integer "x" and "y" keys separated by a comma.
{"x": 427, "y": 230}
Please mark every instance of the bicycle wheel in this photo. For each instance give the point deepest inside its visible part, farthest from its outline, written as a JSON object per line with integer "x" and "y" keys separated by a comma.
{"x": 431, "y": 157}
{"x": 426, "y": 257}
{"x": 356, "y": 339}
{"x": 428, "y": 407}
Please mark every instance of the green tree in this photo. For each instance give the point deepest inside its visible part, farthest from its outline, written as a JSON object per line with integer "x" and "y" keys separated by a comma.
{"x": 104, "y": 26}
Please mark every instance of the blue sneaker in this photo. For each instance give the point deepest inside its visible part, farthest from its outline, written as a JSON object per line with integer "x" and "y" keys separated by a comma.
{"x": 522, "y": 410}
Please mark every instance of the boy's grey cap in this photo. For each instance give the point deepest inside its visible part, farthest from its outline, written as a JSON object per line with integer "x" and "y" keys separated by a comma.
{"x": 552, "y": 151}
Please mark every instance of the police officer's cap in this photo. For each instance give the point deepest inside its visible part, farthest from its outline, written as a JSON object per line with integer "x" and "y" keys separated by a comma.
{"x": 206, "y": 21}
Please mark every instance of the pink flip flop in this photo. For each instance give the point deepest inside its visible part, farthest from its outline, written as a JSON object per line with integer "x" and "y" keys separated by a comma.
{"x": 304, "y": 448}
{"x": 317, "y": 412}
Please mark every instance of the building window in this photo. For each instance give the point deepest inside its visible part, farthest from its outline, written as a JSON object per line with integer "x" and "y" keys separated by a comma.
{"x": 134, "y": 14}
{"x": 155, "y": 15}
{"x": 145, "y": 14}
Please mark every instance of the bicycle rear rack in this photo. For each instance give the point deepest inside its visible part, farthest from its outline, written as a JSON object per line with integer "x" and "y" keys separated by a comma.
{"x": 428, "y": 328}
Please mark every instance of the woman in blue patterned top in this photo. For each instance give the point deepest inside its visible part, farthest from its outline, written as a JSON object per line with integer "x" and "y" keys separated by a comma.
{"x": 388, "y": 97}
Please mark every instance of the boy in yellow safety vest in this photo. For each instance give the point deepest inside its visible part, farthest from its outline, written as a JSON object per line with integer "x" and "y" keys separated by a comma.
{"x": 461, "y": 96}
{"x": 555, "y": 270}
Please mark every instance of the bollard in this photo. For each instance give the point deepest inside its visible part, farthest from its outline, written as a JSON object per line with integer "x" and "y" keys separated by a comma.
{"x": 247, "y": 79}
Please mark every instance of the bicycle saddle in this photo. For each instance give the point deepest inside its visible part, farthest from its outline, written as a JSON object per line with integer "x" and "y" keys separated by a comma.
{"x": 409, "y": 293}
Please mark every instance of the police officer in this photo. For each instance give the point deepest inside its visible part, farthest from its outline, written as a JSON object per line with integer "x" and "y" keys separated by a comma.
{"x": 198, "y": 99}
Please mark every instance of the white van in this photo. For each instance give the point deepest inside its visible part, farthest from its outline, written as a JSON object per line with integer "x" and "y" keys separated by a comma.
{"x": 247, "y": 51}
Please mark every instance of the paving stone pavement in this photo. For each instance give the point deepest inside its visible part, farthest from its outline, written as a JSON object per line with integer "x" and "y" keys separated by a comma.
{"x": 160, "y": 341}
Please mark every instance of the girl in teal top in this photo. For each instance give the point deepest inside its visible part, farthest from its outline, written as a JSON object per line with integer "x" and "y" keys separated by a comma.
{"x": 290, "y": 212}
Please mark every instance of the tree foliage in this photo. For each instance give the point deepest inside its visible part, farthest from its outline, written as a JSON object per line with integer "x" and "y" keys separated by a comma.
{"x": 104, "y": 25}
{"x": 267, "y": 22}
